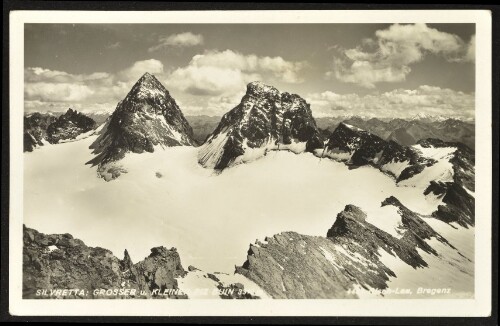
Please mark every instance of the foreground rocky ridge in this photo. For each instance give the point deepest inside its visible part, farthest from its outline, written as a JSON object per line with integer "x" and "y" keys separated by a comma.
{"x": 348, "y": 259}
{"x": 264, "y": 120}
{"x": 57, "y": 262}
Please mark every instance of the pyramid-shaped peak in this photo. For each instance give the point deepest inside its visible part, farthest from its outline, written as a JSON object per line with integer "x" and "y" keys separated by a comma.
{"x": 148, "y": 78}
{"x": 147, "y": 86}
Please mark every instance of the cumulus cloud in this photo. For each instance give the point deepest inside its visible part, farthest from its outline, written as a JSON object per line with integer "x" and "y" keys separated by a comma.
{"x": 133, "y": 73}
{"x": 470, "y": 55}
{"x": 60, "y": 92}
{"x": 223, "y": 72}
{"x": 186, "y": 39}
{"x": 400, "y": 103}
{"x": 388, "y": 57}
{"x": 210, "y": 105}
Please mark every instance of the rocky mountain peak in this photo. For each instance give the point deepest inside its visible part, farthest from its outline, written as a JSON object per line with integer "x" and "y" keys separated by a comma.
{"x": 265, "y": 120}
{"x": 259, "y": 89}
{"x": 147, "y": 117}
{"x": 148, "y": 86}
{"x": 69, "y": 126}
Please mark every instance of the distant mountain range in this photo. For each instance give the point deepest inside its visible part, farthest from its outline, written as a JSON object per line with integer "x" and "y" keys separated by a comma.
{"x": 407, "y": 132}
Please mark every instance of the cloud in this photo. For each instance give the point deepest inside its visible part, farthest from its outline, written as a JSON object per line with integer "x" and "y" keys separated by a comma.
{"x": 133, "y": 73}
{"x": 210, "y": 105}
{"x": 46, "y": 89}
{"x": 399, "y": 103}
{"x": 60, "y": 92}
{"x": 471, "y": 50}
{"x": 37, "y": 74}
{"x": 388, "y": 57}
{"x": 187, "y": 39}
{"x": 115, "y": 45}
{"x": 223, "y": 72}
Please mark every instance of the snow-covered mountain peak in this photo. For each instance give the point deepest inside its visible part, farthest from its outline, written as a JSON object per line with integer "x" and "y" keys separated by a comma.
{"x": 258, "y": 88}
{"x": 265, "y": 120}
{"x": 351, "y": 127}
{"x": 147, "y": 117}
{"x": 428, "y": 117}
{"x": 148, "y": 86}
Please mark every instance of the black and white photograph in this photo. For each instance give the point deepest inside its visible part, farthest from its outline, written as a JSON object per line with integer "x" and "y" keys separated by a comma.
{"x": 184, "y": 161}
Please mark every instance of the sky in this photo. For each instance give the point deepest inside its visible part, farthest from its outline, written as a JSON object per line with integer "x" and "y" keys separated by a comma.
{"x": 375, "y": 70}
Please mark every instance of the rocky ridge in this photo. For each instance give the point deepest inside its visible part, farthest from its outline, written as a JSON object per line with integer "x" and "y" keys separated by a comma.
{"x": 57, "y": 262}
{"x": 35, "y": 129}
{"x": 451, "y": 165}
{"x": 69, "y": 126}
{"x": 291, "y": 265}
{"x": 358, "y": 147}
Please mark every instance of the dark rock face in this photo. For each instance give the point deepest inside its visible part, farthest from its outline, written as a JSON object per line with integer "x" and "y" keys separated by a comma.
{"x": 68, "y": 126}
{"x": 265, "y": 119}
{"x": 159, "y": 269}
{"x": 363, "y": 145}
{"x": 365, "y": 148}
{"x": 59, "y": 261}
{"x": 292, "y": 265}
{"x": 35, "y": 129}
{"x": 463, "y": 161}
{"x": 460, "y": 204}
{"x": 147, "y": 117}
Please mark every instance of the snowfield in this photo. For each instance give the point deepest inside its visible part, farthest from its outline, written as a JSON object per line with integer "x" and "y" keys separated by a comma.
{"x": 166, "y": 198}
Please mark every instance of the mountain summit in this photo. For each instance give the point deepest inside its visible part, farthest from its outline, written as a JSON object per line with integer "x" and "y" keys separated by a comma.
{"x": 147, "y": 117}
{"x": 264, "y": 120}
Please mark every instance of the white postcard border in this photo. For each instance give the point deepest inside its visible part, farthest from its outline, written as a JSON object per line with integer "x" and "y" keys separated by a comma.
{"x": 479, "y": 306}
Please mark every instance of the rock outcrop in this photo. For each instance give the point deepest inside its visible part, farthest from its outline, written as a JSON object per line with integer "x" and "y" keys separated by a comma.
{"x": 60, "y": 262}
{"x": 457, "y": 194}
{"x": 35, "y": 129}
{"x": 264, "y": 120}
{"x": 291, "y": 265}
{"x": 358, "y": 147}
{"x": 69, "y": 126}
{"x": 444, "y": 169}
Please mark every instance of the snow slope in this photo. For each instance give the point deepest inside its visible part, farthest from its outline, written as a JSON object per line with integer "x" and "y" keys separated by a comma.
{"x": 167, "y": 198}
